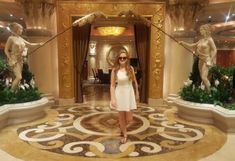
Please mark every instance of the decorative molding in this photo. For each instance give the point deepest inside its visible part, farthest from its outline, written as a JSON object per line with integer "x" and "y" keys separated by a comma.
{"x": 206, "y": 113}
{"x": 67, "y": 9}
{"x": 38, "y": 14}
{"x": 157, "y": 55}
{"x": 184, "y": 12}
{"x": 11, "y": 114}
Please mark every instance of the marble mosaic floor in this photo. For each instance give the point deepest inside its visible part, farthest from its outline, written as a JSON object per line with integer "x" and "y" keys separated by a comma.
{"x": 90, "y": 131}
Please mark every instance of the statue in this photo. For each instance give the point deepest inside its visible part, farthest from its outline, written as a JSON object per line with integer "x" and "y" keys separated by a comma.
{"x": 206, "y": 51}
{"x": 15, "y": 49}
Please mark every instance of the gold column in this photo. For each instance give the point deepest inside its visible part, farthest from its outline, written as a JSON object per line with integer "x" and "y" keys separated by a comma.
{"x": 156, "y": 61}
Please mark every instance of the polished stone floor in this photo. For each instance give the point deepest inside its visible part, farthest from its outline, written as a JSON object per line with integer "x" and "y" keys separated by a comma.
{"x": 89, "y": 131}
{"x": 92, "y": 131}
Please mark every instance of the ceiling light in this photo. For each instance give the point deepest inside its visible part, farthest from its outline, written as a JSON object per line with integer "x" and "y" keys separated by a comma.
{"x": 181, "y": 29}
{"x": 209, "y": 17}
{"x": 224, "y": 24}
{"x": 11, "y": 15}
{"x": 111, "y": 30}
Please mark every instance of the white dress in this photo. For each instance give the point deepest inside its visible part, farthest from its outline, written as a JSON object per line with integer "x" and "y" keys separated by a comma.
{"x": 124, "y": 92}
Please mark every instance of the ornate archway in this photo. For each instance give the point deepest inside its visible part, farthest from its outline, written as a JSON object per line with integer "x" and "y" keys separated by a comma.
{"x": 67, "y": 9}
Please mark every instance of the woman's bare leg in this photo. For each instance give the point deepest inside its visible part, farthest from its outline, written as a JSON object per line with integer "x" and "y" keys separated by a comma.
{"x": 129, "y": 117}
{"x": 122, "y": 122}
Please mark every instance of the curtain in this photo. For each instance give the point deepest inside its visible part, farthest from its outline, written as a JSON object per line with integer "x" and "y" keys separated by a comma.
{"x": 81, "y": 38}
{"x": 142, "y": 41}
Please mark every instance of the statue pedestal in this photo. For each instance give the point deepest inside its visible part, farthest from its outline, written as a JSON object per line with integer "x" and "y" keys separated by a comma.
{"x": 11, "y": 114}
{"x": 206, "y": 113}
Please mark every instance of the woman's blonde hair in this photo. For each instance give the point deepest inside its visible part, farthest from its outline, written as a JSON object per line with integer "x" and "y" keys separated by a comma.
{"x": 128, "y": 68}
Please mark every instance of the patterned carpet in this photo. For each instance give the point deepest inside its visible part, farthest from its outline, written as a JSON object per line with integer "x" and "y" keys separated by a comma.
{"x": 92, "y": 131}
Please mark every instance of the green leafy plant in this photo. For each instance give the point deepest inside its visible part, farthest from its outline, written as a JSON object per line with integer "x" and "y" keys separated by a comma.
{"x": 230, "y": 106}
{"x": 3, "y": 65}
{"x": 221, "y": 91}
{"x": 4, "y": 71}
{"x": 25, "y": 93}
{"x": 8, "y": 96}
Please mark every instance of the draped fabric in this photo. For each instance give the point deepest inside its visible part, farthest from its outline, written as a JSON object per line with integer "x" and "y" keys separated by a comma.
{"x": 81, "y": 38}
{"x": 142, "y": 40}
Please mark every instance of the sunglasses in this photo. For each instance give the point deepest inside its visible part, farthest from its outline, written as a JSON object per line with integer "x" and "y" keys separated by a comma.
{"x": 122, "y": 58}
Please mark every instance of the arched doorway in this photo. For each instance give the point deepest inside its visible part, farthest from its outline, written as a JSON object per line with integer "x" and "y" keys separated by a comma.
{"x": 108, "y": 37}
{"x": 66, "y": 10}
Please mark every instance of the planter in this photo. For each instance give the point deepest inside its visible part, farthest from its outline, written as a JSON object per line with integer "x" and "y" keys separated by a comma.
{"x": 11, "y": 114}
{"x": 206, "y": 113}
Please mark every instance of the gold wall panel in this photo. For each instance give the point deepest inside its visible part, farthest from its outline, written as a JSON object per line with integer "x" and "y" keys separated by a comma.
{"x": 67, "y": 9}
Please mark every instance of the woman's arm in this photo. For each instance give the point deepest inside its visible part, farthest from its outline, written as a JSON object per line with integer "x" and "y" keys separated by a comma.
{"x": 136, "y": 85}
{"x": 112, "y": 88}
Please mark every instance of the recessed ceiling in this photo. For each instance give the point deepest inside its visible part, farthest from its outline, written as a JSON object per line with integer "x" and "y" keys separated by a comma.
{"x": 10, "y": 12}
{"x": 220, "y": 1}
{"x": 221, "y": 15}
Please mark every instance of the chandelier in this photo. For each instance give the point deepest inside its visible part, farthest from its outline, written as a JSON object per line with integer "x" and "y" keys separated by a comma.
{"x": 111, "y": 30}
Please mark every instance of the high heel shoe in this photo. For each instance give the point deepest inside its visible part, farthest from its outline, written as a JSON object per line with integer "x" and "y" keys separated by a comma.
{"x": 124, "y": 139}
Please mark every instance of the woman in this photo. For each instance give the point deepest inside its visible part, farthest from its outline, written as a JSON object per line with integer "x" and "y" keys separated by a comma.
{"x": 15, "y": 48}
{"x": 206, "y": 50}
{"x": 123, "y": 97}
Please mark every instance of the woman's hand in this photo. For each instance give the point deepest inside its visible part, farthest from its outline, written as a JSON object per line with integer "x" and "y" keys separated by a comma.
{"x": 137, "y": 96}
{"x": 113, "y": 103}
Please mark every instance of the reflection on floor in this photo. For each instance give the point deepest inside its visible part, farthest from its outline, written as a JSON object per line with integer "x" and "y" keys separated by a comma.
{"x": 96, "y": 92}
{"x": 90, "y": 131}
